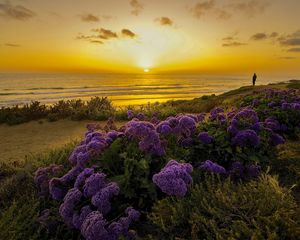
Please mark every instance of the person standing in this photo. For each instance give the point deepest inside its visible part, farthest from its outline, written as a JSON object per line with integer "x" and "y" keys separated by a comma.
{"x": 254, "y": 79}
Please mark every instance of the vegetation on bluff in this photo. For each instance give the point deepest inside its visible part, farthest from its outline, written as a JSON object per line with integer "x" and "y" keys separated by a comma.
{"x": 191, "y": 176}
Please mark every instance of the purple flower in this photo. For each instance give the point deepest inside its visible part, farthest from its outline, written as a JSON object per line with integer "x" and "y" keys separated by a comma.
{"x": 96, "y": 145}
{"x": 113, "y": 135}
{"x": 78, "y": 219}
{"x": 255, "y": 102}
{"x": 141, "y": 117}
{"x": 66, "y": 209}
{"x": 276, "y": 139}
{"x": 272, "y": 124}
{"x": 253, "y": 171}
{"x": 201, "y": 117}
{"x": 232, "y": 130}
{"x": 147, "y": 136}
{"x": 71, "y": 176}
{"x": 163, "y": 128}
{"x": 130, "y": 114}
{"x": 257, "y": 127}
{"x": 212, "y": 167}
{"x": 93, "y": 184}
{"x": 216, "y": 111}
{"x": 80, "y": 180}
{"x": 285, "y": 105}
{"x": 174, "y": 179}
{"x": 42, "y": 178}
{"x": 246, "y": 117}
{"x": 272, "y": 104}
{"x": 173, "y": 121}
{"x": 296, "y": 106}
{"x": 246, "y": 138}
{"x": 57, "y": 189}
{"x": 102, "y": 198}
{"x": 132, "y": 214}
{"x": 94, "y": 227}
{"x": 205, "y": 138}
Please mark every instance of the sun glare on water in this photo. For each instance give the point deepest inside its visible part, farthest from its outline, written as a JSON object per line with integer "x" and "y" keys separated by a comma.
{"x": 146, "y": 70}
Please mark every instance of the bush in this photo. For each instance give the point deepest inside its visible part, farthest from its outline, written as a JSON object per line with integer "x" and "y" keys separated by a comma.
{"x": 221, "y": 209}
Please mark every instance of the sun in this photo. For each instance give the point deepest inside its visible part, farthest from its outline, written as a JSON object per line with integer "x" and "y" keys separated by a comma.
{"x": 146, "y": 70}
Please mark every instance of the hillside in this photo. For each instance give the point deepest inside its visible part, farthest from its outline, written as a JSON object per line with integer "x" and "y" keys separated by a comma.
{"x": 225, "y": 167}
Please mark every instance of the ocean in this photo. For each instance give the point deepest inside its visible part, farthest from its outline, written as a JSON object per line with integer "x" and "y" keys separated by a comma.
{"x": 122, "y": 89}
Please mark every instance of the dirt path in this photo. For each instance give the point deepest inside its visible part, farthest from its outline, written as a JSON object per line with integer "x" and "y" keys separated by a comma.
{"x": 34, "y": 137}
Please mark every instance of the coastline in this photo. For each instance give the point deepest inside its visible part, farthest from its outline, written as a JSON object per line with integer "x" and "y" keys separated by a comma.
{"x": 39, "y": 136}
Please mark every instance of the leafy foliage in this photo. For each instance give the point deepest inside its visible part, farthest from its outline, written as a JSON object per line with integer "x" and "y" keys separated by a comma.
{"x": 221, "y": 209}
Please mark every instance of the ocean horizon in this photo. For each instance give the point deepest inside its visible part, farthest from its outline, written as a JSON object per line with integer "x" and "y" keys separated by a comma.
{"x": 121, "y": 89}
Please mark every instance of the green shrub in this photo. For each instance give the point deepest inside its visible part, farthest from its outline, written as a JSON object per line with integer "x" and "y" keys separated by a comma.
{"x": 19, "y": 220}
{"x": 221, "y": 209}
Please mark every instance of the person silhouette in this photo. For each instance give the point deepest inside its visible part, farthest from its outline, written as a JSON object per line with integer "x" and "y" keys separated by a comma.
{"x": 254, "y": 79}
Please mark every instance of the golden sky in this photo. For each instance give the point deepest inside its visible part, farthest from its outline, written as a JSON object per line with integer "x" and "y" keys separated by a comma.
{"x": 206, "y": 36}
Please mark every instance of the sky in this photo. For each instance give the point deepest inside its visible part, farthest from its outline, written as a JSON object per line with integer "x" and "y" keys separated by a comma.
{"x": 198, "y": 36}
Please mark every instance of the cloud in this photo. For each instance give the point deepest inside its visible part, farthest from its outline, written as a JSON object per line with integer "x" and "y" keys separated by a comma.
{"x": 250, "y": 7}
{"x": 136, "y": 6}
{"x": 274, "y": 35}
{"x": 128, "y": 33}
{"x": 105, "y": 33}
{"x": 96, "y": 41}
{"x": 89, "y": 18}
{"x": 259, "y": 36}
{"x": 234, "y": 44}
{"x": 290, "y": 42}
{"x": 16, "y": 12}
{"x": 12, "y": 45}
{"x": 202, "y": 7}
{"x": 232, "y": 41}
{"x": 228, "y": 38}
{"x": 294, "y": 50}
{"x": 101, "y": 35}
{"x": 287, "y": 58}
{"x": 222, "y": 14}
{"x": 164, "y": 21}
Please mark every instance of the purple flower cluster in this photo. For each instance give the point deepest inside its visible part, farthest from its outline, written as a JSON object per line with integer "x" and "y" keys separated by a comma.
{"x": 246, "y": 138}
{"x": 205, "y": 138}
{"x": 276, "y": 139}
{"x": 186, "y": 125}
{"x": 283, "y": 99}
{"x": 96, "y": 227}
{"x": 58, "y": 187}
{"x": 217, "y": 114}
{"x": 130, "y": 114}
{"x": 88, "y": 185}
{"x": 93, "y": 144}
{"x": 272, "y": 123}
{"x": 245, "y": 118}
{"x": 42, "y": 177}
{"x": 182, "y": 126}
{"x": 212, "y": 167}
{"x": 147, "y": 136}
{"x": 174, "y": 179}
{"x": 238, "y": 171}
